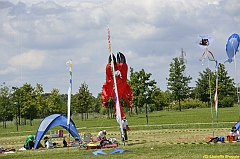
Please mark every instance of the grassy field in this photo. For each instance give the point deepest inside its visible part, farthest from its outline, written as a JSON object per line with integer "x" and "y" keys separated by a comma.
{"x": 170, "y": 134}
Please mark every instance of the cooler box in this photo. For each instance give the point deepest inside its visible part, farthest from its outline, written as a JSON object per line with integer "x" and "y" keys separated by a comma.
{"x": 60, "y": 133}
{"x": 230, "y": 138}
{"x": 221, "y": 138}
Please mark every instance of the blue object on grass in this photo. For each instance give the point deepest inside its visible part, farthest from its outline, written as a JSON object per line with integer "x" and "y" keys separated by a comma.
{"x": 99, "y": 152}
{"x": 221, "y": 138}
{"x": 116, "y": 150}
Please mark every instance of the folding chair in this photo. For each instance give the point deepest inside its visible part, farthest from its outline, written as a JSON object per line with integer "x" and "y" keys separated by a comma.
{"x": 87, "y": 137}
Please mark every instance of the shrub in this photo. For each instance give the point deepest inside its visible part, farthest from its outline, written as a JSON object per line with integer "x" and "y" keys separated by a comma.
{"x": 226, "y": 102}
{"x": 103, "y": 111}
{"x": 191, "y": 103}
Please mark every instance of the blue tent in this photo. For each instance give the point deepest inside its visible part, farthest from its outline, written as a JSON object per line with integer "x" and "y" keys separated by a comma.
{"x": 55, "y": 120}
{"x": 237, "y": 125}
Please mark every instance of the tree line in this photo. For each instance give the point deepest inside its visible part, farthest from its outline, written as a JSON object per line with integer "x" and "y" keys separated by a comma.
{"x": 28, "y": 102}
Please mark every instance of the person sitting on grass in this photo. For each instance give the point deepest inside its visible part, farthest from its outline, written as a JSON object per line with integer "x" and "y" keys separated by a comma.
{"x": 64, "y": 142}
{"x": 235, "y": 133}
{"x": 102, "y": 135}
{"x": 29, "y": 142}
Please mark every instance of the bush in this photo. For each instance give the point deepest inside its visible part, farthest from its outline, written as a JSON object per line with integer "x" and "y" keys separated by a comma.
{"x": 191, "y": 103}
{"x": 103, "y": 111}
{"x": 226, "y": 102}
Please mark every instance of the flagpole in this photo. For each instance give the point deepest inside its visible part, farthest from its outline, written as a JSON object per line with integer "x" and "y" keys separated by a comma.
{"x": 216, "y": 91}
{"x": 235, "y": 62}
{"x": 69, "y": 63}
{"x": 69, "y": 91}
{"x": 118, "y": 113}
{"x": 210, "y": 96}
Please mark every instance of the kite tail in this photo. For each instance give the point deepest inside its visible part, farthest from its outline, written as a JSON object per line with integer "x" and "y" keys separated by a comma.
{"x": 202, "y": 58}
{"x": 210, "y": 55}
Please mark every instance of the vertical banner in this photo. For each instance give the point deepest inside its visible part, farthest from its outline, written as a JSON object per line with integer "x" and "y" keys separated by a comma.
{"x": 216, "y": 92}
{"x": 118, "y": 112}
{"x": 69, "y": 64}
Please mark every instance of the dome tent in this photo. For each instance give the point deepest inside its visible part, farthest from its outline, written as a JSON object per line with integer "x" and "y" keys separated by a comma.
{"x": 52, "y": 121}
{"x": 237, "y": 125}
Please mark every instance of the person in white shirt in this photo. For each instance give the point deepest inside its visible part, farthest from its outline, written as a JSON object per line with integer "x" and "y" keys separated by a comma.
{"x": 235, "y": 133}
{"x": 125, "y": 128}
{"x": 102, "y": 135}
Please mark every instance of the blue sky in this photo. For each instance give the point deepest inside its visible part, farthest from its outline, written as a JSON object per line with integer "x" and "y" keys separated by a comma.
{"x": 37, "y": 38}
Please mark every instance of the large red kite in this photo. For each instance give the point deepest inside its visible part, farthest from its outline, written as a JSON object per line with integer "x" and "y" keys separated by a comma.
{"x": 123, "y": 88}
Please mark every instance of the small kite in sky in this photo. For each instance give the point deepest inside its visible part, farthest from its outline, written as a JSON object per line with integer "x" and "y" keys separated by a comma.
{"x": 204, "y": 42}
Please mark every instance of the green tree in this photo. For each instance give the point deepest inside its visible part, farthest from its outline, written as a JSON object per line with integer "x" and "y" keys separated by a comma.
{"x": 226, "y": 89}
{"x": 202, "y": 89}
{"x": 55, "y": 104}
{"x": 206, "y": 84}
{"x": 97, "y": 103}
{"x": 169, "y": 99}
{"x": 41, "y": 101}
{"x": 159, "y": 100}
{"x": 5, "y": 104}
{"x": 84, "y": 100}
{"x": 29, "y": 108}
{"x": 177, "y": 82}
{"x": 109, "y": 107}
{"x": 16, "y": 98}
{"x": 142, "y": 87}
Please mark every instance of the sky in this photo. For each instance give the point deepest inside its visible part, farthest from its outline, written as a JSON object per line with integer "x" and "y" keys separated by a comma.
{"x": 37, "y": 38}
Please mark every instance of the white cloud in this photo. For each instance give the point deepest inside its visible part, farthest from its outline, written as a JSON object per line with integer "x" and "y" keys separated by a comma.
{"x": 40, "y": 36}
{"x": 231, "y": 7}
{"x": 7, "y": 70}
{"x": 32, "y": 59}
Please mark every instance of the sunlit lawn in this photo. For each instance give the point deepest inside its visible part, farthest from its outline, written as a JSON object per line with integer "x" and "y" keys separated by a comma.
{"x": 170, "y": 134}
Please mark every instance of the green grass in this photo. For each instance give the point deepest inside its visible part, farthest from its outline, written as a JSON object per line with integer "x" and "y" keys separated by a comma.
{"x": 139, "y": 152}
{"x": 169, "y": 134}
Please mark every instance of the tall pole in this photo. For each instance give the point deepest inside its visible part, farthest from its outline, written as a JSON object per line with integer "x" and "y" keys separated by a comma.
{"x": 69, "y": 63}
{"x": 206, "y": 52}
{"x": 237, "y": 85}
{"x": 146, "y": 112}
{"x": 118, "y": 112}
{"x": 216, "y": 91}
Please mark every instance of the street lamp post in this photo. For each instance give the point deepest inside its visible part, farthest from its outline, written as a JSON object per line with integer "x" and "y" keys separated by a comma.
{"x": 147, "y": 113}
{"x": 238, "y": 93}
{"x": 15, "y": 103}
{"x": 146, "y": 107}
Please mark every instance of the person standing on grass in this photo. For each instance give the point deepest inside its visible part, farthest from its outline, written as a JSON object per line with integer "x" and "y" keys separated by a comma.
{"x": 125, "y": 128}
